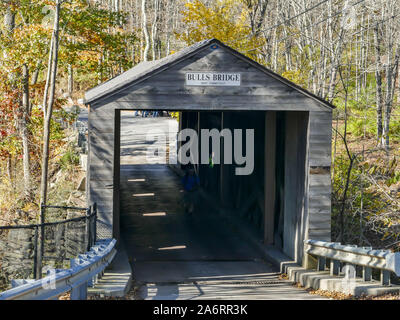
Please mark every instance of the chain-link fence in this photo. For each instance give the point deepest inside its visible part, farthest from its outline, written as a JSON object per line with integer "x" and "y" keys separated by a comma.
{"x": 66, "y": 232}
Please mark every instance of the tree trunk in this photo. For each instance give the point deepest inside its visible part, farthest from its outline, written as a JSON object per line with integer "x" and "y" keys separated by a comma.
{"x": 46, "y": 87}
{"x": 9, "y": 20}
{"x": 35, "y": 74}
{"x": 25, "y": 133}
{"x": 70, "y": 80}
{"x": 168, "y": 25}
{"x": 391, "y": 79}
{"x": 49, "y": 106}
{"x": 378, "y": 79}
{"x": 145, "y": 32}
{"x": 154, "y": 31}
{"x": 10, "y": 170}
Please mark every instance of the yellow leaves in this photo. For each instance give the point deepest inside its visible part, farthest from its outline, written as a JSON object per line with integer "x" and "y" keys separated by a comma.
{"x": 26, "y": 44}
{"x": 225, "y": 20}
{"x": 387, "y": 233}
{"x": 175, "y": 115}
{"x": 29, "y": 207}
{"x": 297, "y": 76}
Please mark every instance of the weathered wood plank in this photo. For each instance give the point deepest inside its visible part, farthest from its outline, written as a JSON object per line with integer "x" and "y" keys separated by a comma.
{"x": 320, "y": 234}
{"x": 320, "y": 180}
{"x": 320, "y": 143}
{"x": 209, "y": 103}
{"x": 269, "y": 174}
{"x": 316, "y": 116}
{"x": 320, "y": 211}
{"x": 317, "y": 138}
{"x": 172, "y": 88}
{"x": 97, "y": 172}
{"x": 100, "y": 127}
{"x": 265, "y": 98}
{"x": 316, "y": 202}
{"x": 320, "y": 160}
{"x": 316, "y": 224}
{"x": 101, "y": 184}
{"x": 321, "y": 129}
{"x": 295, "y": 157}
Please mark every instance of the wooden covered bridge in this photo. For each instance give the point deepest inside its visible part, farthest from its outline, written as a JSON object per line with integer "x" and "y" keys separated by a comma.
{"x": 286, "y": 198}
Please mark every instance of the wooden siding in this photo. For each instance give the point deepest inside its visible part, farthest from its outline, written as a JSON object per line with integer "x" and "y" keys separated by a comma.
{"x": 166, "y": 90}
{"x": 101, "y": 167}
{"x": 295, "y": 192}
{"x": 319, "y": 192}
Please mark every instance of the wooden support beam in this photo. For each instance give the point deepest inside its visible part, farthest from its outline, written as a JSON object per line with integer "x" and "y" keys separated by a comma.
{"x": 116, "y": 174}
{"x": 269, "y": 176}
{"x": 221, "y": 165}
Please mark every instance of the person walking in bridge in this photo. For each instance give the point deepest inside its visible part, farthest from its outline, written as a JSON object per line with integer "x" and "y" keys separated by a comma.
{"x": 191, "y": 184}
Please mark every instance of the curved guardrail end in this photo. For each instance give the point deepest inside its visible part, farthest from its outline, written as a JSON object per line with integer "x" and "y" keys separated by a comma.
{"x": 83, "y": 269}
{"x": 393, "y": 261}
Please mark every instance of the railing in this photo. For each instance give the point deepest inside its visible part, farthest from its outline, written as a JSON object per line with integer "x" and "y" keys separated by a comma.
{"x": 25, "y": 248}
{"x": 83, "y": 272}
{"x": 383, "y": 260}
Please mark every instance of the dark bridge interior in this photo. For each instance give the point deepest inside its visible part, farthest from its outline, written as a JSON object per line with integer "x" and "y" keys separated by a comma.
{"x": 165, "y": 243}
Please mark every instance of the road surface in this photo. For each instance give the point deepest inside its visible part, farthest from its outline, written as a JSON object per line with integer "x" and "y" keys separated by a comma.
{"x": 178, "y": 257}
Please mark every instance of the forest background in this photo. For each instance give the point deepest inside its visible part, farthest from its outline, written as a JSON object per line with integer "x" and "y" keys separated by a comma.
{"x": 345, "y": 51}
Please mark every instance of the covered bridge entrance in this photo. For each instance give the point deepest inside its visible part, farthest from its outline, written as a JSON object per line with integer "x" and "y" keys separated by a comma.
{"x": 286, "y": 195}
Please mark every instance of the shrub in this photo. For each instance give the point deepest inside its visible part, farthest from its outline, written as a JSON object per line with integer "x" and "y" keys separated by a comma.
{"x": 69, "y": 159}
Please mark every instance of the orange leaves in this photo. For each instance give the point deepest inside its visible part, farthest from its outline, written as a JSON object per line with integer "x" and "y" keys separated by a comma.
{"x": 49, "y": 3}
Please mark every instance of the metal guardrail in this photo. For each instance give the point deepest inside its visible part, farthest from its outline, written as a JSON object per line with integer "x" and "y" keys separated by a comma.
{"x": 83, "y": 272}
{"x": 89, "y": 218}
{"x": 383, "y": 260}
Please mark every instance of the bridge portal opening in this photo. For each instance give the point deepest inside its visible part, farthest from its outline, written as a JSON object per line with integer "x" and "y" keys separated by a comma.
{"x": 286, "y": 198}
{"x": 153, "y": 223}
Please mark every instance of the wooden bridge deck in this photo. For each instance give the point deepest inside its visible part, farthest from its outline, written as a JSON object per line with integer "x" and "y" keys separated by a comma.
{"x": 176, "y": 257}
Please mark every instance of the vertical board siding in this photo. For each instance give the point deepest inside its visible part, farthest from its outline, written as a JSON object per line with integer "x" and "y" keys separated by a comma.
{"x": 101, "y": 167}
{"x": 269, "y": 176}
{"x": 295, "y": 190}
{"x": 319, "y": 193}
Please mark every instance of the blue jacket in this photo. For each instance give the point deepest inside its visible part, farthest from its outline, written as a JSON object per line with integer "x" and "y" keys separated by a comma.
{"x": 190, "y": 182}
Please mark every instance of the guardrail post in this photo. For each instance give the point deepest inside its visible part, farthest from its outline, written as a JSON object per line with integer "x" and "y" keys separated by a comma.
{"x": 359, "y": 271}
{"x": 334, "y": 267}
{"x": 93, "y": 281}
{"x": 321, "y": 264}
{"x": 367, "y": 274}
{"x": 41, "y": 242}
{"x": 95, "y": 223}
{"x": 80, "y": 292}
{"x": 35, "y": 253}
{"x": 88, "y": 229}
{"x": 385, "y": 277}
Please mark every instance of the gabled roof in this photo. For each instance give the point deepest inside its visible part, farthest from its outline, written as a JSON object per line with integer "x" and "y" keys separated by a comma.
{"x": 145, "y": 69}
